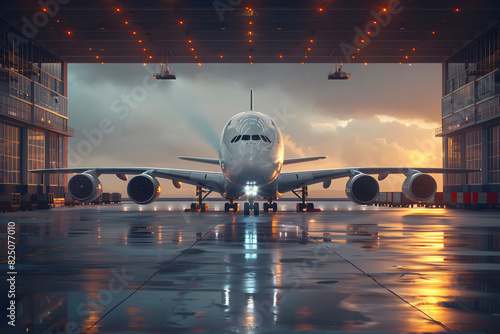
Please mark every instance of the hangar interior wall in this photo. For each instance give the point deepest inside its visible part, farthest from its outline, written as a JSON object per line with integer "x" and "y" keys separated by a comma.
{"x": 471, "y": 115}
{"x": 33, "y": 115}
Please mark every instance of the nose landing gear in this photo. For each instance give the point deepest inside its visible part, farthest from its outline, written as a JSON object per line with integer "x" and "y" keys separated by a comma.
{"x": 251, "y": 205}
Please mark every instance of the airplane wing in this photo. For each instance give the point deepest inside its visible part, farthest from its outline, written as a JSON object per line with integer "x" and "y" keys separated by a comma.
{"x": 288, "y": 181}
{"x": 298, "y": 160}
{"x": 208, "y": 180}
{"x": 202, "y": 160}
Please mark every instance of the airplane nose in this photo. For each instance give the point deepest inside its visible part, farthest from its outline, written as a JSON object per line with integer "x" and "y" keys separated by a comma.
{"x": 250, "y": 153}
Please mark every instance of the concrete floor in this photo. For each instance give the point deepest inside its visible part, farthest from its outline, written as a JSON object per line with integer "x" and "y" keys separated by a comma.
{"x": 156, "y": 269}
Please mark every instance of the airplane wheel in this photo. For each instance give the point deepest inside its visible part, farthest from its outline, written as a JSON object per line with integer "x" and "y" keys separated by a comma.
{"x": 226, "y": 207}
{"x": 246, "y": 209}
{"x": 256, "y": 209}
{"x": 236, "y": 207}
{"x": 266, "y": 207}
{"x": 310, "y": 206}
{"x": 300, "y": 207}
{"x": 275, "y": 207}
{"x": 193, "y": 206}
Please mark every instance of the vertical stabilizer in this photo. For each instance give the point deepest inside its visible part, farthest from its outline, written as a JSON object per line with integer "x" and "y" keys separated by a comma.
{"x": 251, "y": 99}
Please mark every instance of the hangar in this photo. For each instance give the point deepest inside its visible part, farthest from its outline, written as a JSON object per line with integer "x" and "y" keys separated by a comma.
{"x": 39, "y": 39}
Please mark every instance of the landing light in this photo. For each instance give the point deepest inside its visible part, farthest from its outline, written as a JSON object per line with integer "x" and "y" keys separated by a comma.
{"x": 251, "y": 188}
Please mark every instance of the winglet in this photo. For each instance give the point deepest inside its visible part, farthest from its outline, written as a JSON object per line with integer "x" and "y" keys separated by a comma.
{"x": 251, "y": 99}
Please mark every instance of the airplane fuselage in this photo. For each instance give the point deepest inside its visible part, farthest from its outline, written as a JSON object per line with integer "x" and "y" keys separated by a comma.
{"x": 251, "y": 154}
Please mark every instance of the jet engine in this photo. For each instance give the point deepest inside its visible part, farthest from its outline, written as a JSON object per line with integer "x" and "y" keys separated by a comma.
{"x": 84, "y": 187}
{"x": 419, "y": 187}
{"x": 143, "y": 189}
{"x": 362, "y": 189}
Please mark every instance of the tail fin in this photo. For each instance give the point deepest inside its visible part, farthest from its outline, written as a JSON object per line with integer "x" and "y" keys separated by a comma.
{"x": 251, "y": 99}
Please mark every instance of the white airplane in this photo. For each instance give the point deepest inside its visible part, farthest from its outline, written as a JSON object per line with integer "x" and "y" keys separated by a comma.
{"x": 251, "y": 157}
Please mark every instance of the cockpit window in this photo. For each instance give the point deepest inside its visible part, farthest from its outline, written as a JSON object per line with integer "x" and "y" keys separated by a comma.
{"x": 250, "y": 137}
{"x": 265, "y": 138}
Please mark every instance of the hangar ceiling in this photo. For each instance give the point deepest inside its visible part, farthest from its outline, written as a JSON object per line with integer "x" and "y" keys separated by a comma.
{"x": 257, "y": 31}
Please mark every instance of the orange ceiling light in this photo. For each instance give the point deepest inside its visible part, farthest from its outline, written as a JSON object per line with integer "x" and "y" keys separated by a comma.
{"x": 320, "y": 9}
{"x": 117, "y": 9}
{"x": 181, "y": 22}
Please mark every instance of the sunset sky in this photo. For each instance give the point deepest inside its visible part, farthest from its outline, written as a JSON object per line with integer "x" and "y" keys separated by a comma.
{"x": 384, "y": 115}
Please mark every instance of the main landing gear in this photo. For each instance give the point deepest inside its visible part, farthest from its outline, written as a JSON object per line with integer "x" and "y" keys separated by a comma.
{"x": 231, "y": 206}
{"x": 200, "y": 206}
{"x": 301, "y": 207}
{"x": 270, "y": 205}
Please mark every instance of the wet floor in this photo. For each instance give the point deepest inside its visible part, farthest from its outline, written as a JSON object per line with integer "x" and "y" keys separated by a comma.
{"x": 156, "y": 269}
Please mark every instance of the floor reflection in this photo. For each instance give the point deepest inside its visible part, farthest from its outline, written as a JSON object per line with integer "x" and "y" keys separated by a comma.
{"x": 220, "y": 272}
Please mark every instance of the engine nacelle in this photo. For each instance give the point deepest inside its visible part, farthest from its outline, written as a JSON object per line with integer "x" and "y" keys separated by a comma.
{"x": 84, "y": 187}
{"x": 419, "y": 187}
{"x": 362, "y": 189}
{"x": 143, "y": 189}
